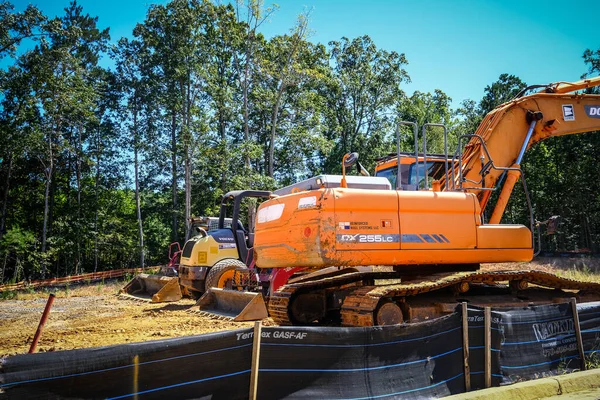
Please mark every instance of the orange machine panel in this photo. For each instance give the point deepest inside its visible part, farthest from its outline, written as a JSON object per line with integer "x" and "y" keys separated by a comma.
{"x": 307, "y": 229}
{"x": 366, "y": 220}
{"x": 438, "y": 220}
{"x": 296, "y": 230}
{"x": 503, "y": 237}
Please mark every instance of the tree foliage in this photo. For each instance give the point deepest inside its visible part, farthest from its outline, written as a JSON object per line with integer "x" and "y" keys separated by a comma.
{"x": 102, "y": 167}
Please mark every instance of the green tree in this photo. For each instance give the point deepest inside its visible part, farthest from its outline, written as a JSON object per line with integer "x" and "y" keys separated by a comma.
{"x": 133, "y": 89}
{"x": 19, "y": 245}
{"x": 425, "y": 108}
{"x": 592, "y": 58}
{"x": 364, "y": 88}
{"x": 253, "y": 14}
{"x": 175, "y": 36}
{"x": 16, "y": 27}
{"x": 59, "y": 101}
{"x": 503, "y": 90}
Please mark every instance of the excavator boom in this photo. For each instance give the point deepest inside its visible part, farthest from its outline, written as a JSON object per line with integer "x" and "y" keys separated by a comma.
{"x": 512, "y": 128}
{"x": 569, "y": 87}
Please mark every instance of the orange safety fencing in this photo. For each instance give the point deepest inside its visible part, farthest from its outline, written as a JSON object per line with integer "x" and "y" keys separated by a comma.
{"x": 92, "y": 276}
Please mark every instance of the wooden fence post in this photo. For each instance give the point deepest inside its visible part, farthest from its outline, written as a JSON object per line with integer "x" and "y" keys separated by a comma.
{"x": 465, "y": 331}
{"x": 255, "y": 360}
{"x": 578, "y": 333}
{"x": 488, "y": 346}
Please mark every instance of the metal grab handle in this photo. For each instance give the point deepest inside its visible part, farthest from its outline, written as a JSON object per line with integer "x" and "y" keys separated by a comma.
{"x": 416, "y": 135}
{"x": 425, "y": 126}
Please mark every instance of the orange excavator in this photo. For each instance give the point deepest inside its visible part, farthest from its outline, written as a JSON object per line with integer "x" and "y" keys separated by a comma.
{"x": 426, "y": 240}
{"x": 357, "y": 251}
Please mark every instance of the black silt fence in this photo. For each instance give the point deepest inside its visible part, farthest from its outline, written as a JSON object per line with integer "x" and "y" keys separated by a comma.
{"x": 408, "y": 361}
{"x": 203, "y": 366}
{"x": 589, "y": 319}
{"x": 541, "y": 341}
{"x": 413, "y": 361}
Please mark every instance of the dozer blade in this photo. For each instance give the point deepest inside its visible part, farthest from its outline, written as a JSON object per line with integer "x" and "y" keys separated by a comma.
{"x": 232, "y": 305}
{"x": 153, "y": 288}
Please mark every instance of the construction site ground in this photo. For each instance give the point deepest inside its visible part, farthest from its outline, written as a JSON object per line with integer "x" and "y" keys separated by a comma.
{"x": 92, "y": 315}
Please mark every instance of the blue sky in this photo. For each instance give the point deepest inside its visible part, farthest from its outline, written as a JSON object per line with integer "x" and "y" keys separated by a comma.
{"x": 456, "y": 46}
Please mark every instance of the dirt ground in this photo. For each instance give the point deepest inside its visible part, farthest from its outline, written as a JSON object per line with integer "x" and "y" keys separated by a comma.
{"x": 101, "y": 319}
{"x": 93, "y": 315}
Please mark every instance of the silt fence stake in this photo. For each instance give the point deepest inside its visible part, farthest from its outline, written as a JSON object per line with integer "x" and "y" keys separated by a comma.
{"x": 255, "y": 360}
{"x": 488, "y": 346}
{"x": 578, "y": 333}
{"x": 465, "y": 331}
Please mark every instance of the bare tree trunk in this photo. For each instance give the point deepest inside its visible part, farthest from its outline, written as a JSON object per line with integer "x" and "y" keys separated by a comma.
{"x": 137, "y": 186}
{"x": 78, "y": 225}
{"x": 188, "y": 195}
{"x": 17, "y": 268}
{"x": 174, "y": 173}
{"x": 245, "y": 95}
{"x": 5, "y": 197}
{"x": 3, "y": 267}
{"x": 254, "y": 19}
{"x": 298, "y": 35}
{"x": 188, "y": 162}
{"x": 49, "y": 172}
{"x": 274, "y": 128}
{"x": 98, "y": 144}
{"x": 52, "y": 204}
{"x": 46, "y": 205}
{"x": 224, "y": 162}
{"x": 187, "y": 183}
{"x": 251, "y": 214}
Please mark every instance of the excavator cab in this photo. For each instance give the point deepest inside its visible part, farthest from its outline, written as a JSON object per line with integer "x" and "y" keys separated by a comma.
{"x": 413, "y": 169}
{"x": 244, "y": 238}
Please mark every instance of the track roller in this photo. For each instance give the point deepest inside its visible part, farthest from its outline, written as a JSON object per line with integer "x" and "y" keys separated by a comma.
{"x": 388, "y": 313}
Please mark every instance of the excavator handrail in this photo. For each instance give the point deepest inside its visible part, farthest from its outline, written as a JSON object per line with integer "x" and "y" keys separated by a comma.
{"x": 416, "y": 153}
{"x": 513, "y": 127}
{"x": 457, "y": 160}
{"x": 416, "y": 138}
{"x": 490, "y": 165}
{"x": 424, "y": 135}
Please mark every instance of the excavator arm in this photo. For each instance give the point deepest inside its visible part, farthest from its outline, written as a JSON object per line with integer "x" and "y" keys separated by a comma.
{"x": 510, "y": 129}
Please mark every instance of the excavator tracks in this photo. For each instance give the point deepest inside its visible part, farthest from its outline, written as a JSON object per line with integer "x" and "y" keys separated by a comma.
{"x": 361, "y": 303}
{"x": 279, "y": 304}
{"x": 281, "y": 301}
